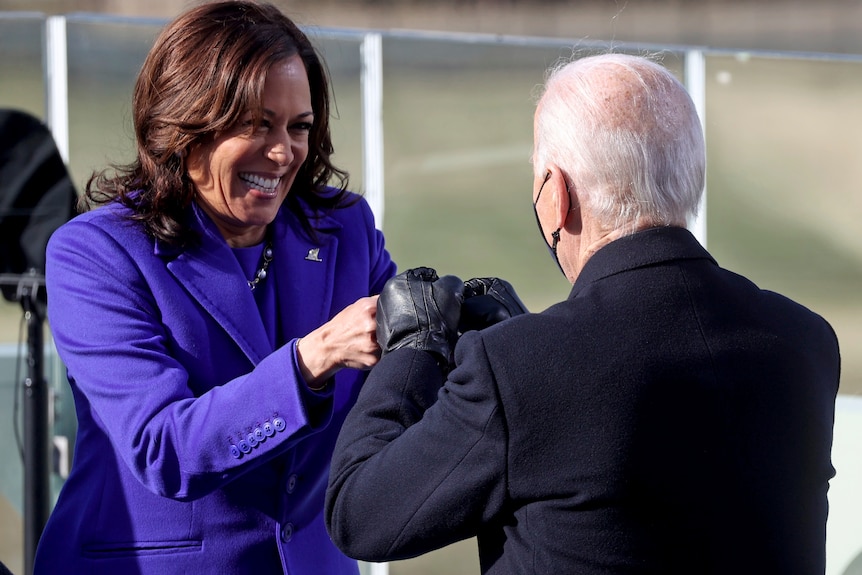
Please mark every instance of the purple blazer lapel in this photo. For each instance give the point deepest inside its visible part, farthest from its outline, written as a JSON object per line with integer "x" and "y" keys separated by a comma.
{"x": 213, "y": 277}
{"x": 304, "y": 272}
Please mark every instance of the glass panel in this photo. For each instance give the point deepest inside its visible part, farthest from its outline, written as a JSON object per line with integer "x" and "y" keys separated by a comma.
{"x": 21, "y": 83}
{"x": 458, "y": 132}
{"x": 342, "y": 59}
{"x": 104, "y": 60}
{"x": 783, "y": 200}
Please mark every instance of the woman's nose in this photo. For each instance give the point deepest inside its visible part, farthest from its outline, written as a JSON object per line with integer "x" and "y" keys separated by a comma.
{"x": 280, "y": 151}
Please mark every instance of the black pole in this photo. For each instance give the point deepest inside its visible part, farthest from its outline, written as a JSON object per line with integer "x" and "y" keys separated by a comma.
{"x": 37, "y": 462}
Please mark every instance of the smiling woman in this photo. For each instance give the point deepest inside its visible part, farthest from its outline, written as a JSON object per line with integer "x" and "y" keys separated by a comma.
{"x": 215, "y": 308}
{"x": 243, "y": 175}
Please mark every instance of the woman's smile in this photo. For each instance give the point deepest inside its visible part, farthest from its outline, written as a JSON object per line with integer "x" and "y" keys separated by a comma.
{"x": 267, "y": 186}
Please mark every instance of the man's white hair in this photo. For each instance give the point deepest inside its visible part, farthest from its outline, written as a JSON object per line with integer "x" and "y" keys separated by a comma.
{"x": 626, "y": 132}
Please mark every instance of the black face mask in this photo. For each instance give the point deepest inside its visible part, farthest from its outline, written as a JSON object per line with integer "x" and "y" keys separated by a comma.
{"x": 552, "y": 248}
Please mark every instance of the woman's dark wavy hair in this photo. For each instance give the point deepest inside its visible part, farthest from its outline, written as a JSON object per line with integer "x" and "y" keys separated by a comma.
{"x": 205, "y": 71}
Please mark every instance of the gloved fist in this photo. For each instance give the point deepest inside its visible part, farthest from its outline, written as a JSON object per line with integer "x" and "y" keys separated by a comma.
{"x": 488, "y": 301}
{"x": 420, "y": 310}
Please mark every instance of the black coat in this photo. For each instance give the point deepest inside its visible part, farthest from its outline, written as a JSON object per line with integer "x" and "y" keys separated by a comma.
{"x": 668, "y": 417}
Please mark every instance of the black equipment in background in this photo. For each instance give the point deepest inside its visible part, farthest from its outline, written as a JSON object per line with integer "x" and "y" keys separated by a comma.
{"x": 36, "y": 197}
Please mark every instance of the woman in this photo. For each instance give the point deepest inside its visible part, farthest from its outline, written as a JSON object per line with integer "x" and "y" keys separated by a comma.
{"x": 207, "y": 311}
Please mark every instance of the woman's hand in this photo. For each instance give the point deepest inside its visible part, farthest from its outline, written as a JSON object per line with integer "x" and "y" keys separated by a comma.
{"x": 347, "y": 340}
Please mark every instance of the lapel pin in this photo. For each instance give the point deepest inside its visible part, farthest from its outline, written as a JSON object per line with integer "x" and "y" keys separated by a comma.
{"x": 313, "y": 255}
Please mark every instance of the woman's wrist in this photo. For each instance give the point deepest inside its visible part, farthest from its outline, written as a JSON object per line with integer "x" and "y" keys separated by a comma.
{"x": 316, "y": 376}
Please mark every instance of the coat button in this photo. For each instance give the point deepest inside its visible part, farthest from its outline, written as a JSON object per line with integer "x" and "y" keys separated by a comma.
{"x": 279, "y": 423}
{"x": 259, "y": 434}
{"x": 291, "y": 483}
{"x": 268, "y": 429}
{"x": 287, "y": 532}
{"x": 234, "y": 450}
{"x": 252, "y": 440}
{"x": 244, "y": 446}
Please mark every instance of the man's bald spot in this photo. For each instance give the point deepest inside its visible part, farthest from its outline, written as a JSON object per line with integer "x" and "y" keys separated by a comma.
{"x": 633, "y": 93}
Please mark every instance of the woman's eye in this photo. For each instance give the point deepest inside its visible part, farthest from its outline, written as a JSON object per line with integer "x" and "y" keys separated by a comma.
{"x": 248, "y": 124}
{"x": 302, "y": 127}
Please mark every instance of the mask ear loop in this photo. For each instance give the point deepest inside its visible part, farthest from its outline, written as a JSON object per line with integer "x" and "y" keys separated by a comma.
{"x": 556, "y": 233}
{"x": 552, "y": 248}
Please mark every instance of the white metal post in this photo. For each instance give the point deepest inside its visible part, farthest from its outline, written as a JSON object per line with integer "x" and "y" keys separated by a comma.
{"x": 57, "y": 83}
{"x": 695, "y": 81}
{"x": 371, "y": 79}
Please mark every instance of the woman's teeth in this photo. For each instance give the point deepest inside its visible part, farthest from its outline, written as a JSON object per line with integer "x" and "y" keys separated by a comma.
{"x": 266, "y": 185}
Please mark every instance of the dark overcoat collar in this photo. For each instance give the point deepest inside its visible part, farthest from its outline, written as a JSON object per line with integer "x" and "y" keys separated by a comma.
{"x": 644, "y": 248}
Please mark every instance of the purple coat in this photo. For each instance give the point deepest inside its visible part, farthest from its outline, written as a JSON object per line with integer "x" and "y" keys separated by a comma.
{"x": 199, "y": 447}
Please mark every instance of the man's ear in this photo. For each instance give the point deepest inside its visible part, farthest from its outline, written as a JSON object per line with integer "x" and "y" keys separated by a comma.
{"x": 564, "y": 201}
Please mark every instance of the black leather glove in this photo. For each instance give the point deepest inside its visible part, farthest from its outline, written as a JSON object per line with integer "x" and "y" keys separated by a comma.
{"x": 488, "y": 301}
{"x": 420, "y": 310}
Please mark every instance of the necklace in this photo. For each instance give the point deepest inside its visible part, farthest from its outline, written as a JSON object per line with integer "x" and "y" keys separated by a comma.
{"x": 261, "y": 271}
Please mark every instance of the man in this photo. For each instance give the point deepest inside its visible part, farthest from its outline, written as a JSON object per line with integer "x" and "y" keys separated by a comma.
{"x": 669, "y": 417}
